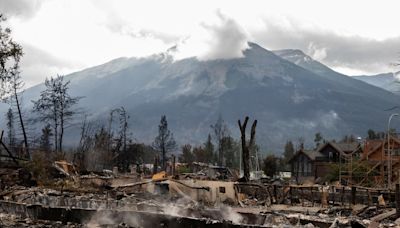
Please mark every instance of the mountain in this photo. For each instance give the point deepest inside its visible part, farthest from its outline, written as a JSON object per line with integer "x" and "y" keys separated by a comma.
{"x": 299, "y": 58}
{"x": 387, "y": 81}
{"x": 289, "y": 100}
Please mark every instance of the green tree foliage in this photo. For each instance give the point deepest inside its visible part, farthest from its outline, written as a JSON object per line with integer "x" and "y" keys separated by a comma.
{"x": 289, "y": 151}
{"x": 135, "y": 154}
{"x": 270, "y": 165}
{"x": 376, "y": 135}
{"x": 371, "y": 134}
{"x": 232, "y": 152}
{"x": 358, "y": 175}
{"x": 187, "y": 154}
{"x": 318, "y": 139}
{"x": 165, "y": 141}
{"x": 200, "y": 154}
{"x": 209, "y": 150}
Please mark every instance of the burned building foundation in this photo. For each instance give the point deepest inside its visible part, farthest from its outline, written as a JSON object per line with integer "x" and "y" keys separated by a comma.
{"x": 133, "y": 218}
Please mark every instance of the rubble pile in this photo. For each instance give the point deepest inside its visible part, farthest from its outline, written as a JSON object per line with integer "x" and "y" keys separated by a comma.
{"x": 11, "y": 220}
{"x": 189, "y": 200}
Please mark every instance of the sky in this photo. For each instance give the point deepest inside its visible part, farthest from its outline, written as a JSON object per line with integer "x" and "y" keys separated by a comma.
{"x": 63, "y": 36}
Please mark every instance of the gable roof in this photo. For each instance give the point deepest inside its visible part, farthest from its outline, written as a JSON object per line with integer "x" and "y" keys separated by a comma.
{"x": 311, "y": 154}
{"x": 376, "y": 144}
{"x": 343, "y": 148}
{"x": 347, "y": 147}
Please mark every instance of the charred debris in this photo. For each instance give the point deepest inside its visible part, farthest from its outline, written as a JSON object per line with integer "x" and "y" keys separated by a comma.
{"x": 208, "y": 196}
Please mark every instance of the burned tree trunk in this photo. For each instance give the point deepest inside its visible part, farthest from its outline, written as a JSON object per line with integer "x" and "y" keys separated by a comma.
{"x": 155, "y": 166}
{"x": 245, "y": 146}
{"x": 8, "y": 151}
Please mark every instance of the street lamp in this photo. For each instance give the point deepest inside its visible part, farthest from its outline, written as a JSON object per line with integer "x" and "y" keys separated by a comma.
{"x": 389, "y": 152}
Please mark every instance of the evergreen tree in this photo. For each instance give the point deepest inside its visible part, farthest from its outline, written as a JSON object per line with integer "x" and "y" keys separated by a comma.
{"x": 165, "y": 141}
{"x": 232, "y": 152}
{"x": 270, "y": 165}
{"x": 209, "y": 150}
{"x": 372, "y": 134}
{"x": 200, "y": 154}
{"x": 187, "y": 155}
{"x": 318, "y": 139}
{"x": 289, "y": 151}
{"x": 45, "y": 144}
{"x": 220, "y": 131}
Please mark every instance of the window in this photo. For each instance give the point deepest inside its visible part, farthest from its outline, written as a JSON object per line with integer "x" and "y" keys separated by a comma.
{"x": 396, "y": 152}
{"x": 222, "y": 189}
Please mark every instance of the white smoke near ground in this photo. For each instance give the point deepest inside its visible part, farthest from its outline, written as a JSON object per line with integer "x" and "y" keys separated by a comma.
{"x": 105, "y": 218}
{"x": 229, "y": 214}
{"x": 100, "y": 219}
{"x": 321, "y": 119}
{"x": 329, "y": 119}
{"x": 223, "y": 39}
{"x": 181, "y": 207}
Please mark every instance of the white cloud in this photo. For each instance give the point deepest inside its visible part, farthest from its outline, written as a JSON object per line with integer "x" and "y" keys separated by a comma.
{"x": 223, "y": 39}
{"x": 316, "y": 53}
{"x": 91, "y": 32}
{"x": 23, "y": 9}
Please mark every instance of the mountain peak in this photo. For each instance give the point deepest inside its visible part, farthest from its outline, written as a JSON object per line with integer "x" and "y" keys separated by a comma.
{"x": 254, "y": 45}
{"x": 289, "y": 52}
{"x": 293, "y": 55}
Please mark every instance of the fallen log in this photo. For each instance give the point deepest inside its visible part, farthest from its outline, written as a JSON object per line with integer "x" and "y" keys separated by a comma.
{"x": 383, "y": 216}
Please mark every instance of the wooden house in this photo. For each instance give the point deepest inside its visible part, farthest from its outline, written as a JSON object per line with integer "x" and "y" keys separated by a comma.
{"x": 303, "y": 164}
{"x": 317, "y": 164}
{"x": 376, "y": 154}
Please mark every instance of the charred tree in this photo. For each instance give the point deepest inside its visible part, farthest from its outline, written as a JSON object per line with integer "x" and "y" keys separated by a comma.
{"x": 10, "y": 129}
{"x": 246, "y": 147}
{"x": 155, "y": 165}
{"x": 10, "y": 80}
{"x": 86, "y": 143}
{"x": 55, "y": 106}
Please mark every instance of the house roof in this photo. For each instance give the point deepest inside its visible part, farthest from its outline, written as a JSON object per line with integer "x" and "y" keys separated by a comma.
{"x": 343, "y": 148}
{"x": 311, "y": 154}
{"x": 375, "y": 144}
{"x": 347, "y": 147}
